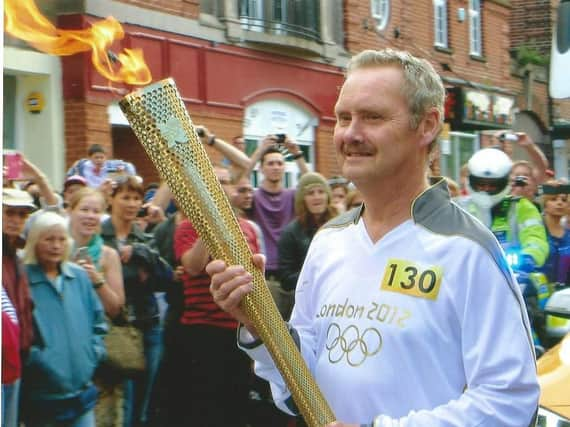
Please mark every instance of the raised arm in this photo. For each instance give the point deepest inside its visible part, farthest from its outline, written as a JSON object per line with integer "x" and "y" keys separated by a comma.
{"x": 33, "y": 173}
{"x": 238, "y": 158}
{"x": 297, "y": 155}
{"x": 537, "y": 157}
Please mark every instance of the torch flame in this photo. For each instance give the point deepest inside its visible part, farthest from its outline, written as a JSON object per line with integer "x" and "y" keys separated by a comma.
{"x": 23, "y": 20}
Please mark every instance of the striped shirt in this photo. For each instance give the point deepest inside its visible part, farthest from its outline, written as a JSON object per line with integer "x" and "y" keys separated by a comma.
{"x": 8, "y": 308}
{"x": 199, "y": 306}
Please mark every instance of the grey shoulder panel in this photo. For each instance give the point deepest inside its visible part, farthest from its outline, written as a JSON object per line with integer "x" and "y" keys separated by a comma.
{"x": 434, "y": 210}
{"x": 345, "y": 219}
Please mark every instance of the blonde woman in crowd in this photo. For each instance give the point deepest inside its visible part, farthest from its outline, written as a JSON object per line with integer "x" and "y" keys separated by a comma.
{"x": 102, "y": 263}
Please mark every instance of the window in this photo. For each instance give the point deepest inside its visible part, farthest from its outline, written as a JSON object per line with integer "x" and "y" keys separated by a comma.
{"x": 296, "y": 18}
{"x": 251, "y": 14}
{"x": 475, "y": 27}
{"x": 440, "y": 22}
{"x": 380, "y": 12}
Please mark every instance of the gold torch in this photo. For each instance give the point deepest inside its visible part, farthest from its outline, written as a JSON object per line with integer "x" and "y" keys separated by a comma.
{"x": 161, "y": 123}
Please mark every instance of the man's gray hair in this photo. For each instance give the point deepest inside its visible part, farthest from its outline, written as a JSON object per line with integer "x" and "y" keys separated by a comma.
{"x": 423, "y": 88}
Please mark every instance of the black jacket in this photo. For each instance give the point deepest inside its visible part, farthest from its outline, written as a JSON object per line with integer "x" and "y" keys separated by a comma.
{"x": 292, "y": 247}
{"x": 139, "y": 294}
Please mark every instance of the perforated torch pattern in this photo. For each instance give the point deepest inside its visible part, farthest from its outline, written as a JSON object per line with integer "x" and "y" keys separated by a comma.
{"x": 160, "y": 121}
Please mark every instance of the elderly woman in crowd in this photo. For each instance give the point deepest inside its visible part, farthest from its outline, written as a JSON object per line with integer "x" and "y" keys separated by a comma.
{"x": 313, "y": 208}
{"x": 69, "y": 325}
{"x": 144, "y": 272}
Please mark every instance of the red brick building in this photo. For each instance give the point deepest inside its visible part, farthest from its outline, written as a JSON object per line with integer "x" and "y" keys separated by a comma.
{"x": 246, "y": 67}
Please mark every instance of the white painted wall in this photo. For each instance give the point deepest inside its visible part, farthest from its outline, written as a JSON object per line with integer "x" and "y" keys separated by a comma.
{"x": 40, "y": 137}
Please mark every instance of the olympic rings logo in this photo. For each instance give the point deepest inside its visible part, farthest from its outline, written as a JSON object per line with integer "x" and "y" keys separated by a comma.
{"x": 350, "y": 343}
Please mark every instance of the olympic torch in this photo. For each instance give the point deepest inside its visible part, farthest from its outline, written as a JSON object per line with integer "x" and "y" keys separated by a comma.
{"x": 160, "y": 121}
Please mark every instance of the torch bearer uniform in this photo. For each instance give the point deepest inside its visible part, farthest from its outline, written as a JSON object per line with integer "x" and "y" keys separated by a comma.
{"x": 425, "y": 327}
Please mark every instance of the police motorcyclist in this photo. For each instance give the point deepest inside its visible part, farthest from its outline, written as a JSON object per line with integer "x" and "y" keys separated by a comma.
{"x": 514, "y": 220}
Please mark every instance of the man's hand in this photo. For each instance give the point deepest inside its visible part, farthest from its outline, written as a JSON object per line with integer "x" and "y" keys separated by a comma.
{"x": 524, "y": 140}
{"x": 230, "y": 285}
{"x": 268, "y": 141}
{"x": 203, "y": 133}
{"x": 155, "y": 214}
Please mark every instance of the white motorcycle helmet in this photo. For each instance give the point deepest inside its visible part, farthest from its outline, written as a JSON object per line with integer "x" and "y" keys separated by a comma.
{"x": 489, "y": 176}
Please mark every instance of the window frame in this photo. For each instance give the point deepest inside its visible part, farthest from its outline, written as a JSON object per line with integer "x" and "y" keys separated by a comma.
{"x": 383, "y": 18}
{"x": 440, "y": 25}
{"x": 475, "y": 34}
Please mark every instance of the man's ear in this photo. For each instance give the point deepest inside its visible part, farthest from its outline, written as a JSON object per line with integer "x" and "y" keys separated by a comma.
{"x": 429, "y": 127}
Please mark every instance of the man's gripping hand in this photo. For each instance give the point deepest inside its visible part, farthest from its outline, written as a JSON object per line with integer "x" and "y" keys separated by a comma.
{"x": 230, "y": 284}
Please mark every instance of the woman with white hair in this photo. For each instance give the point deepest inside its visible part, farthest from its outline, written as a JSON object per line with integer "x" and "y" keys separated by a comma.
{"x": 69, "y": 325}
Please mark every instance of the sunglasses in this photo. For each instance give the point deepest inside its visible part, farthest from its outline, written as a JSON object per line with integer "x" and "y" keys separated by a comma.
{"x": 245, "y": 190}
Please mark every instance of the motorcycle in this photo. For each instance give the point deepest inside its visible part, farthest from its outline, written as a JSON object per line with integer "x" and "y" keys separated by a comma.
{"x": 536, "y": 291}
{"x": 553, "y": 368}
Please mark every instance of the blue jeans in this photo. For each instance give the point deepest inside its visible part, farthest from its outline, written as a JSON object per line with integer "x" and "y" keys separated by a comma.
{"x": 10, "y": 401}
{"x": 85, "y": 420}
{"x": 138, "y": 392}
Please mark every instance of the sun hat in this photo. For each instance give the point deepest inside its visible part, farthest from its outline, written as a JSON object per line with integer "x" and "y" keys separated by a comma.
{"x": 17, "y": 198}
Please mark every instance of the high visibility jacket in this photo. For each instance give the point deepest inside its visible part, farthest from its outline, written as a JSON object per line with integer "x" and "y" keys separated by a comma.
{"x": 515, "y": 222}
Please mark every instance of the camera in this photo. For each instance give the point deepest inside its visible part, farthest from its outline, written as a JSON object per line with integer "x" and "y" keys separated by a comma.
{"x": 520, "y": 181}
{"x": 200, "y": 132}
{"x": 280, "y": 138}
{"x": 508, "y": 137}
{"x": 142, "y": 212}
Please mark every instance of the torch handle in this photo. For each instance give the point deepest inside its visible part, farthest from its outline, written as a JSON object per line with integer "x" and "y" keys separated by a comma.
{"x": 161, "y": 123}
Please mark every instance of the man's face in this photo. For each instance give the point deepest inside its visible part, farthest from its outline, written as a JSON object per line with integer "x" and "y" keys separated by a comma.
{"x": 338, "y": 195}
{"x": 528, "y": 190}
{"x": 372, "y": 136}
{"x": 98, "y": 159}
{"x": 13, "y": 220}
{"x": 239, "y": 143}
{"x": 489, "y": 187}
{"x": 243, "y": 196}
{"x": 70, "y": 190}
{"x": 273, "y": 167}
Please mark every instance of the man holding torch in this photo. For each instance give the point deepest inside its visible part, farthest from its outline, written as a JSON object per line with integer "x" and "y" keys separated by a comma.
{"x": 406, "y": 312}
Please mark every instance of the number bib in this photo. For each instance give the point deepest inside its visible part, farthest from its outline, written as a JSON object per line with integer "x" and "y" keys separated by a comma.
{"x": 408, "y": 278}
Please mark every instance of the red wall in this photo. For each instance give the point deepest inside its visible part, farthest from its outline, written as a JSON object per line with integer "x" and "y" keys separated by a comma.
{"x": 218, "y": 77}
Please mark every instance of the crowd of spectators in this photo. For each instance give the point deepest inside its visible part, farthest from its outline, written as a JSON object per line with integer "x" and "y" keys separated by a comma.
{"x": 107, "y": 249}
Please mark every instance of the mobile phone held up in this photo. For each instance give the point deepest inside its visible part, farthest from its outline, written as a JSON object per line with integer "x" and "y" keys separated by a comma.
{"x": 82, "y": 254}
{"x": 281, "y": 138}
{"x": 13, "y": 164}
